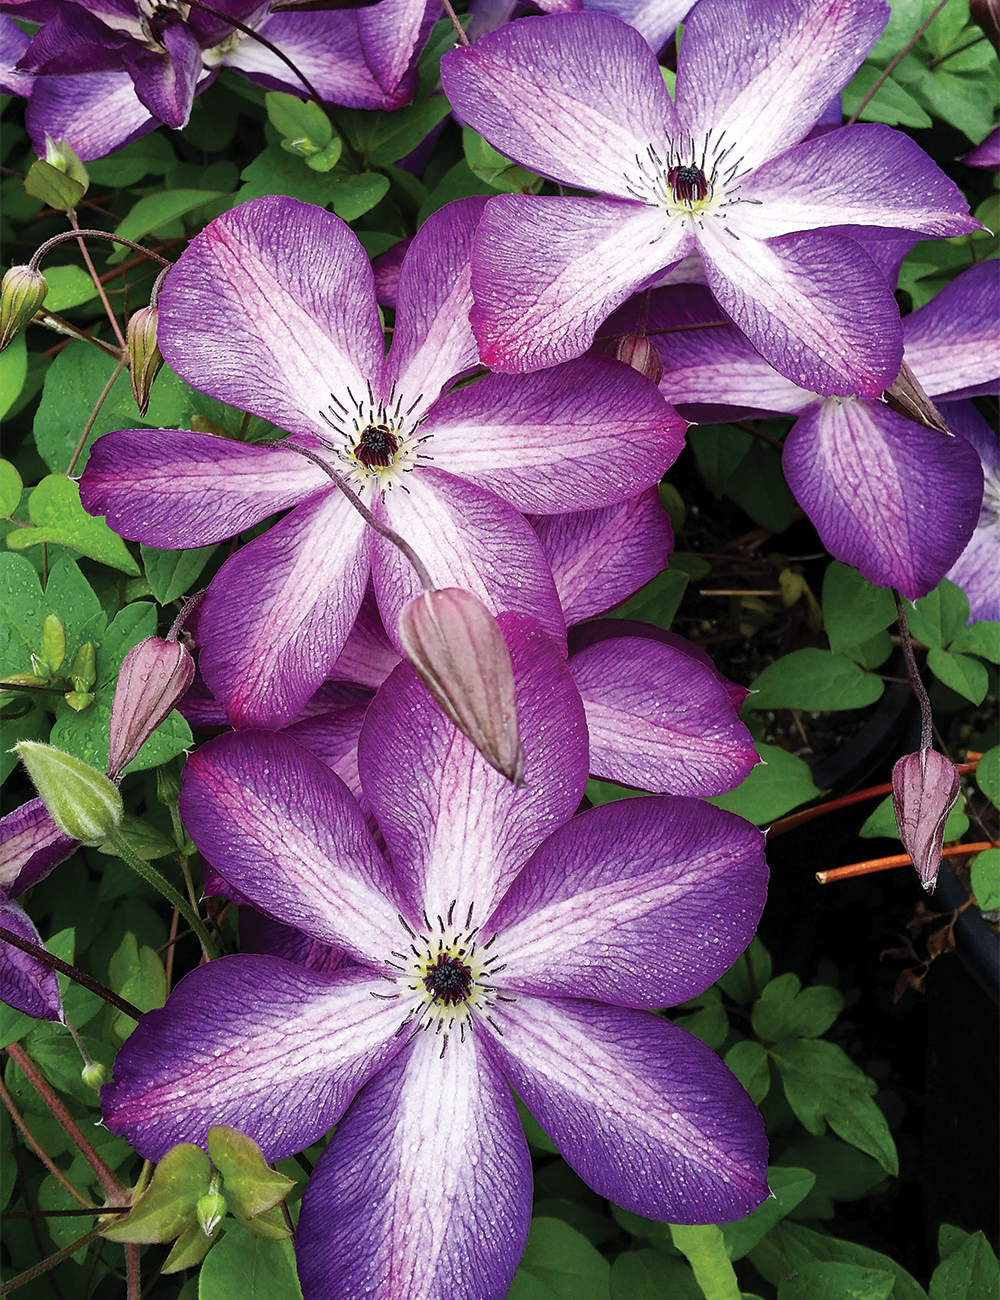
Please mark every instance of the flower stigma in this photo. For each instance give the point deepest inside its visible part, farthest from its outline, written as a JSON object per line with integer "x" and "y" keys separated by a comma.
{"x": 446, "y": 978}
{"x": 690, "y": 182}
{"x": 376, "y": 438}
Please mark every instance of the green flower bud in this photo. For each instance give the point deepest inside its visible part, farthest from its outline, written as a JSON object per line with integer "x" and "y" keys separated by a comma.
{"x": 94, "y": 1075}
{"x": 211, "y": 1208}
{"x": 22, "y": 293}
{"x": 81, "y": 801}
{"x": 144, "y": 356}
{"x": 63, "y": 158}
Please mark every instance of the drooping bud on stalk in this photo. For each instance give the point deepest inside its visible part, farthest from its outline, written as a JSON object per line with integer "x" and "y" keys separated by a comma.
{"x": 637, "y": 351}
{"x": 454, "y": 643}
{"x": 144, "y": 356}
{"x": 22, "y": 293}
{"x": 925, "y": 788}
{"x": 81, "y": 801}
{"x": 153, "y": 677}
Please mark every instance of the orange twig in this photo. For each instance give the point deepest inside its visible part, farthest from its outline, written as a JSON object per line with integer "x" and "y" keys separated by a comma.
{"x": 897, "y": 860}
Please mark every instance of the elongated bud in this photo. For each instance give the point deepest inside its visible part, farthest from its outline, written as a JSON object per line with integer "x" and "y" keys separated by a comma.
{"x": 907, "y": 397}
{"x": 454, "y": 643}
{"x": 60, "y": 178}
{"x": 637, "y": 351}
{"x": 81, "y": 801}
{"x": 154, "y": 675}
{"x": 925, "y": 788}
{"x": 211, "y": 1208}
{"x": 144, "y": 356}
{"x": 22, "y": 293}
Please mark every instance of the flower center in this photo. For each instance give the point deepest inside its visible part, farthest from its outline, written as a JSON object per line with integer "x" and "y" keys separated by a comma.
{"x": 445, "y": 978}
{"x": 376, "y": 438}
{"x": 694, "y": 180}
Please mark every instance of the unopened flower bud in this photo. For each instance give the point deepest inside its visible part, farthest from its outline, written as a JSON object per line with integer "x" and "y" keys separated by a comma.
{"x": 59, "y": 179}
{"x": 63, "y": 158}
{"x": 637, "y": 351}
{"x": 211, "y": 1208}
{"x": 22, "y": 293}
{"x": 94, "y": 1075}
{"x": 907, "y": 398}
{"x": 153, "y": 677}
{"x": 144, "y": 356}
{"x": 81, "y": 801}
{"x": 925, "y": 788}
{"x": 454, "y": 643}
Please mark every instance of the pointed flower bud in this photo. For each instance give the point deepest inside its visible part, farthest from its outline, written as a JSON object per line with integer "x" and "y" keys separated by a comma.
{"x": 63, "y": 158}
{"x": 637, "y": 351}
{"x": 211, "y": 1208}
{"x": 454, "y": 643}
{"x": 154, "y": 675}
{"x": 925, "y": 788}
{"x": 21, "y": 294}
{"x": 906, "y": 397}
{"x": 81, "y": 801}
{"x": 144, "y": 356}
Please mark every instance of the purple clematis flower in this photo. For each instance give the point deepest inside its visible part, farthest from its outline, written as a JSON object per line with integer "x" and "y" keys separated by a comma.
{"x": 895, "y": 499}
{"x": 272, "y": 309}
{"x": 976, "y": 570}
{"x": 107, "y": 71}
{"x": 527, "y": 944}
{"x": 727, "y": 171}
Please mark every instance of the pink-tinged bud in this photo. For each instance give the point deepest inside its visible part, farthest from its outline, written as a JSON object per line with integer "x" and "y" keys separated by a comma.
{"x": 144, "y": 356}
{"x": 454, "y": 643}
{"x": 925, "y": 788}
{"x": 906, "y": 397}
{"x": 637, "y": 351}
{"x": 154, "y": 676}
{"x": 22, "y": 293}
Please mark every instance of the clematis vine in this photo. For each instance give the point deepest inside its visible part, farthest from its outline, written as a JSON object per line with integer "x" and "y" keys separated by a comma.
{"x": 527, "y": 954}
{"x": 725, "y": 172}
{"x": 896, "y": 499}
{"x": 272, "y": 309}
{"x": 107, "y": 71}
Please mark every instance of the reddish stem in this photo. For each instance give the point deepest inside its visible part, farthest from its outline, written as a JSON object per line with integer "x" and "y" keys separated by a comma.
{"x": 897, "y": 860}
{"x": 49, "y": 1164}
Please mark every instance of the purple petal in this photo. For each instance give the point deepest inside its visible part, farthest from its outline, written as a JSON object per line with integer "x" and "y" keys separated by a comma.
{"x": 433, "y": 340}
{"x": 279, "y": 611}
{"x": 254, "y": 1042}
{"x": 456, "y": 829}
{"x": 26, "y": 984}
{"x": 896, "y": 500}
{"x": 271, "y": 307}
{"x": 537, "y": 93}
{"x": 986, "y": 154}
{"x": 259, "y": 934}
{"x": 641, "y": 903}
{"x": 31, "y": 844}
{"x": 285, "y": 832}
{"x": 333, "y": 738}
{"x": 13, "y": 43}
{"x": 655, "y": 20}
{"x": 392, "y": 34}
{"x": 466, "y": 537}
{"x": 425, "y": 1188}
{"x": 814, "y": 305}
{"x": 166, "y": 83}
{"x": 547, "y": 271}
{"x": 763, "y": 73}
{"x": 645, "y": 1113}
{"x": 659, "y": 720}
{"x": 976, "y": 570}
{"x": 175, "y": 489}
{"x": 601, "y": 557}
{"x": 952, "y": 342}
{"x": 576, "y": 437}
{"x": 72, "y": 41}
{"x": 97, "y": 112}
{"x": 368, "y": 657}
{"x": 860, "y": 175}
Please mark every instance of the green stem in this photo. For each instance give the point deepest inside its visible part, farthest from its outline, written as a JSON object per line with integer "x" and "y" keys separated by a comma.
{"x": 159, "y": 882}
{"x": 95, "y": 412}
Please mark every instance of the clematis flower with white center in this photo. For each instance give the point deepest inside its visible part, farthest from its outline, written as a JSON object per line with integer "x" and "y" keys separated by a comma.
{"x": 726, "y": 172}
{"x": 272, "y": 309}
{"x": 501, "y": 942}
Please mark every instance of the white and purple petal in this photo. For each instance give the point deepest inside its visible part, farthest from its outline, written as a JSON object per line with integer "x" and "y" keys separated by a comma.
{"x": 96, "y": 112}
{"x": 953, "y": 342}
{"x": 27, "y": 984}
{"x": 31, "y": 844}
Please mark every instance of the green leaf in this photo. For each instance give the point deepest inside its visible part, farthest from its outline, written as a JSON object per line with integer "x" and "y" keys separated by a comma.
{"x": 986, "y": 880}
{"x": 760, "y": 488}
{"x": 536, "y": 1136}
{"x": 786, "y": 1010}
{"x": 822, "y": 1084}
{"x": 156, "y": 210}
{"x": 563, "y": 1261}
{"x": 167, "y": 1206}
{"x": 962, "y": 673}
{"x": 493, "y": 168}
{"x": 781, "y": 782}
{"x": 789, "y": 1247}
{"x": 988, "y": 774}
{"x": 969, "y": 1273}
{"x": 873, "y": 652}
{"x": 890, "y": 104}
{"x": 13, "y": 371}
{"x": 708, "y": 1020}
{"x": 842, "y": 1173}
{"x": 831, "y": 1281}
{"x": 658, "y": 601}
{"x": 55, "y": 509}
{"x": 250, "y": 1186}
{"x": 937, "y": 618}
{"x": 748, "y": 1061}
{"x": 277, "y": 172}
{"x": 172, "y": 573}
{"x": 458, "y": 182}
{"x": 719, "y": 450}
{"x": 597, "y": 1228}
{"x": 53, "y": 186}
{"x": 980, "y": 638}
{"x": 705, "y": 1248}
{"x": 298, "y": 119}
{"x": 652, "y": 1275}
{"x": 814, "y": 680}
{"x": 136, "y": 974}
{"x": 69, "y": 286}
{"x": 736, "y": 982}
{"x": 789, "y": 1186}
{"x": 383, "y": 138}
{"x": 854, "y": 609}
{"x": 10, "y": 488}
{"x": 152, "y": 154}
